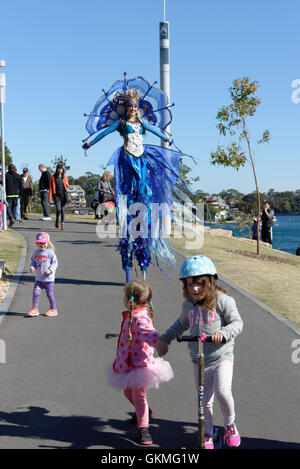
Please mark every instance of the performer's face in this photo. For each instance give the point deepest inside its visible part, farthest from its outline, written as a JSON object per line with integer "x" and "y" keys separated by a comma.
{"x": 132, "y": 110}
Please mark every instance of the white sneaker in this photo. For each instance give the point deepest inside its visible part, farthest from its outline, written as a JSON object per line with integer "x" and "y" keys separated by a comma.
{"x": 46, "y": 218}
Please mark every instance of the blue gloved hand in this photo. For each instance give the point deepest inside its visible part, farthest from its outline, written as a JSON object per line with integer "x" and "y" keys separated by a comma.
{"x": 85, "y": 146}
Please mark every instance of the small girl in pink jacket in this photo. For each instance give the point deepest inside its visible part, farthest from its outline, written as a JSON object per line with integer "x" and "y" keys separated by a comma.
{"x": 135, "y": 369}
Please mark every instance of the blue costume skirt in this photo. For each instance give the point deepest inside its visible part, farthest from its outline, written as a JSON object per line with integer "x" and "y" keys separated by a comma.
{"x": 144, "y": 197}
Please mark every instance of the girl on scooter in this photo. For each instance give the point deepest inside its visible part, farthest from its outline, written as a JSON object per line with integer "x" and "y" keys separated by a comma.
{"x": 208, "y": 309}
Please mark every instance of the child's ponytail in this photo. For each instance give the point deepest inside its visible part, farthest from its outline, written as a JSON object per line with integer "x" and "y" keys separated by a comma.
{"x": 139, "y": 294}
{"x": 131, "y": 308}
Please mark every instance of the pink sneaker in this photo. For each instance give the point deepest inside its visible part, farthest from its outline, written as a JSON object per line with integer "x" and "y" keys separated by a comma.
{"x": 208, "y": 441}
{"x": 33, "y": 312}
{"x": 51, "y": 313}
{"x": 232, "y": 436}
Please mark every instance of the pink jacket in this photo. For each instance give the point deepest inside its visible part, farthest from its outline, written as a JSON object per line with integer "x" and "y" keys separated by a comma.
{"x": 144, "y": 337}
{"x": 1, "y": 206}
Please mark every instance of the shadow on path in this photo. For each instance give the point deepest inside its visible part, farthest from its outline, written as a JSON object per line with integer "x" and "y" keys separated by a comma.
{"x": 72, "y": 281}
{"x": 81, "y": 432}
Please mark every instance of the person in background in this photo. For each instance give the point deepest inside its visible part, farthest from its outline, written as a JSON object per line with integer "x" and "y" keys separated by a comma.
{"x": 26, "y": 194}
{"x": 44, "y": 185}
{"x": 2, "y": 203}
{"x": 14, "y": 187}
{"x": 104, "y": 187}
{"x": 105, "y": 193}
{"x": 59, "y": 193}
{"x": 267, "y": 218}
{"x": 18, "y": 207}
{"x": 254, "y": 228}
{"x": 95, "y": 204}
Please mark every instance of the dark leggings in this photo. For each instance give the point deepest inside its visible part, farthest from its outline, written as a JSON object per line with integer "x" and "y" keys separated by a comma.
{"x": 60, "y": 208}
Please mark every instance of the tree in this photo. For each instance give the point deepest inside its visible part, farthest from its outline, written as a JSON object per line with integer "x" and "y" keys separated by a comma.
{"x": 55, "y": 161}
{"x": 8, "y": 158}
{"x": 88, "y": 182}
{"x": 185, "y": 171}
{"x": 233, "y": 121}
{"x": 231, "y": 196}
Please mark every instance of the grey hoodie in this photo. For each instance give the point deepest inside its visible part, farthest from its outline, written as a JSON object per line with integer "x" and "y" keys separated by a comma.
{"x": 224, "y": 318}
{"x": 44, "y": 260}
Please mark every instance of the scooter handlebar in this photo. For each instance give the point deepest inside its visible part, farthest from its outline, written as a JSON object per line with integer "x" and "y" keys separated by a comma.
{"x": 195, "y": 338}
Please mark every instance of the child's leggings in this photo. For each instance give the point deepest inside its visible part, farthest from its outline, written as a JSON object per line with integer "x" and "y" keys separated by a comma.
{"x": 138, "y": 398}
{"x": 217, "y": 380}
{"x": 49, "y": 288}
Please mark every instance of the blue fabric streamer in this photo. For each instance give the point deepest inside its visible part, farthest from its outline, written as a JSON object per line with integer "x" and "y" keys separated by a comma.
{"x": 147, "y": 180}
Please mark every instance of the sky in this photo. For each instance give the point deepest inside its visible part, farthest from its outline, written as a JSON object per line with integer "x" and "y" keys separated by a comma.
{"x": 60, "y": 54}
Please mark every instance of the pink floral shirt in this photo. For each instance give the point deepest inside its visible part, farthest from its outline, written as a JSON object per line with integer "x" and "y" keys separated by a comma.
{"x": 144, "y": 337}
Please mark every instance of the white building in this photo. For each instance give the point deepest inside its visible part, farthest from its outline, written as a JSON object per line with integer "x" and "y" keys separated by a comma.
{"x": 76, "y": 196}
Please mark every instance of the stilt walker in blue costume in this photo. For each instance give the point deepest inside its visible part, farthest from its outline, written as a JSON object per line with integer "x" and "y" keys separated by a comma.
{"x": 145, "y": 175}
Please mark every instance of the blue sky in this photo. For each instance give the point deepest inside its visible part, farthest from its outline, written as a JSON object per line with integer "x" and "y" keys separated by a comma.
{"x": 60, "y": 54}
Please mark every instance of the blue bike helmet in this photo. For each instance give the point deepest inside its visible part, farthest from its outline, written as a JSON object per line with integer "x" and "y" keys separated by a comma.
{"x": 197, "y": 265}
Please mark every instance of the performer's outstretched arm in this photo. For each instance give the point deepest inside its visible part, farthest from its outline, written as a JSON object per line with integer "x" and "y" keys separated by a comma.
{"x": 156, "y": 131}
{"x": 102, "y": 134}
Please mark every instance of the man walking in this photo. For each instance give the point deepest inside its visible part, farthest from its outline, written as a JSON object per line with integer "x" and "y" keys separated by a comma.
{"x": 44, "y": 185}
{"x": 267, "y": 223}
{"x": 26, "y": 194}
{"x": 14, "y": 188}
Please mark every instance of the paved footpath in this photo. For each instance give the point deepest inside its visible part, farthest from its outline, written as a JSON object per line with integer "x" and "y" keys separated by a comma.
{"x": 53, "y": 385}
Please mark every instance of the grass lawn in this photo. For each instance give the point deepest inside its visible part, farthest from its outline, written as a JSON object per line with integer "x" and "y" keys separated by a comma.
{"x": 10, "y": 250}
{"x": 273, "y": 277}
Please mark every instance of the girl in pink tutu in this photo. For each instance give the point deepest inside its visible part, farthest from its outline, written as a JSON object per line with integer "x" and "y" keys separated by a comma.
{"x": 134, "y": 369}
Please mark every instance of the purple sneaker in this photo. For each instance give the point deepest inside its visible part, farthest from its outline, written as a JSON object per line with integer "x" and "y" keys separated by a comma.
{"x": 232, "y": 436}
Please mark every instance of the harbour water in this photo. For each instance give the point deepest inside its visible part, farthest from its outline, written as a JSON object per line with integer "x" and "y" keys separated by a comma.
{"x": 286, "y": 232}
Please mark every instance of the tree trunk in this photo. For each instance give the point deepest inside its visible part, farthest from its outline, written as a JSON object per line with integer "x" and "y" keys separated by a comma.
{"x": 256, "y": 185}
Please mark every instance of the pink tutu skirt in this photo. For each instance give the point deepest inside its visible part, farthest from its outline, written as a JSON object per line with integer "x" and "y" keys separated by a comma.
{"x": 141, "y": 377}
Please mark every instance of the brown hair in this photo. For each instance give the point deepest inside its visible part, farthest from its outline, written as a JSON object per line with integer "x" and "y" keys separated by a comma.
{"x": 139, "y": 294}
{"x": 210, "y": 290}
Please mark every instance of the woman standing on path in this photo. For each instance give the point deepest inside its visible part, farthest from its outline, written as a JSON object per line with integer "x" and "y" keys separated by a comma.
{"x": 59, "y": 193}
{"x": 105, "y": 191}
{"x": 104, "y": 187}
